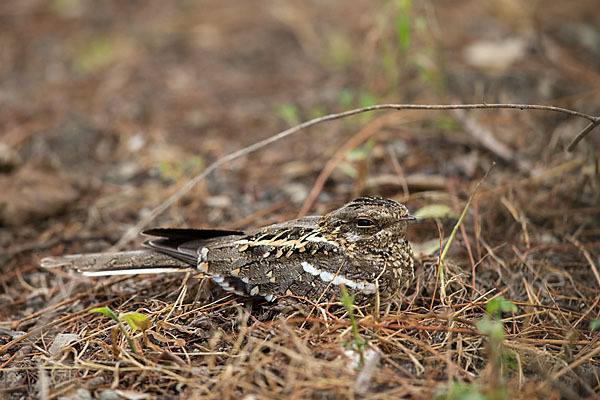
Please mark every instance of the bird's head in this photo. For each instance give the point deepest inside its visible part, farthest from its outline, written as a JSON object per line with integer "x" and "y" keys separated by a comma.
{"x": 375, "y": 221}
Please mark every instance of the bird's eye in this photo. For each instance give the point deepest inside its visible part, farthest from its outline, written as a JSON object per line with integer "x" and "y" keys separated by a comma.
{"x": 364, "y": 223}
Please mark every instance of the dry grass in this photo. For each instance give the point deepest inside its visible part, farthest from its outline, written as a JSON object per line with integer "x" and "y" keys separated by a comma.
{"x": 204, "y": 344}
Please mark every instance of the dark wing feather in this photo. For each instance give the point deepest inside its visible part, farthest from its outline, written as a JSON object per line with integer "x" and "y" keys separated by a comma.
{"x": 183, "y": 244}
{"x": 190, "y": 234}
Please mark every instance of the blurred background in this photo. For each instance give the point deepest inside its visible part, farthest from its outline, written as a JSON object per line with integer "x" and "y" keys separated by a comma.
{"x": 107, "y": 107}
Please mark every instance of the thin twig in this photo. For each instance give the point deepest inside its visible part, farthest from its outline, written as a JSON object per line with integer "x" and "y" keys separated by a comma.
{"x": 582, "y": 134}
{"x": 573, "y": 365}
{"x": 587, "y": 256}
{"x": 463, "y": 233}
{"x": 453, "y": 233}
{"x": 361, "y": 136}
{"x": 134, "y": 231}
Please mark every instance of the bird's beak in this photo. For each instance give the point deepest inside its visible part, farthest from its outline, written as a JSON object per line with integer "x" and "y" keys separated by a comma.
{"x": 408, "y": 217}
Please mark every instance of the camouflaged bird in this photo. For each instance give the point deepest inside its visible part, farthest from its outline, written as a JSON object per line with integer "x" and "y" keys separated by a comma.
{"x": 362, "y": 245}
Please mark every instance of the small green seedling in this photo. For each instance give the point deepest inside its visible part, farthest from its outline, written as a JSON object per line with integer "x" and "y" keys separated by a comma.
{"x": 137, "y": 321}
{"x": 492, "y": 327}
{"x": 289, "y": 113}
{"x": 357, "y": 343}
{"x": 498, "y": 305}
{"x": 459, "y": 391}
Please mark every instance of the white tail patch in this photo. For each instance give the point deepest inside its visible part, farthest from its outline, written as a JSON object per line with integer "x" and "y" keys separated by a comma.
{"x": 133, "y": 271}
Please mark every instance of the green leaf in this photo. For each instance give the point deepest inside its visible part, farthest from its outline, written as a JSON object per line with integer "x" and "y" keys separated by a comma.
{"x": 106, "y": 311}
{"x": 348, "y": 170}
{"x": 348, "y": 345}
{"x": 435, "y": 211}
{"x": 98, "y": 54}
{"x": 595, "y": 324}
{"x": 345, "y": 98}
{"x": 366, "y": 99}
{"x": 340, "y": 50}
{"x": 446, "y": 123}
{"x": 491, "y": 328}
{"x": 389, "y": 62}
{"x": 509, "y": 358}
{"x": 164, "y": 168}
{"x": 347, "y": 300}
{"x": 403, "y": 24}
{"x": 500, "y": 305}
{"x": 290, "y": 114}
{"x": 426, "y": 72}
{"x": 459, "y": 391}
{"x": 136, "y": 320}
{"x": 193, "y": 163}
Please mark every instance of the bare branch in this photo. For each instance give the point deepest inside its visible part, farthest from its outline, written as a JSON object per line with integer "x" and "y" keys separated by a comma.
{"x": 582, "y": 134}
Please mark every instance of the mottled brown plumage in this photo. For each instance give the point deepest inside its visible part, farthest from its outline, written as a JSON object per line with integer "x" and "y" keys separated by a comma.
{"x": 362, "y": 245}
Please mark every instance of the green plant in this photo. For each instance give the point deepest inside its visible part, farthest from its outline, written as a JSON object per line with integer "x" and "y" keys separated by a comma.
{"x": 492, "y": 326}
{"x": 345, "y": 98}
{"x": 357, "y": 343}
{"x": 453, "y": 233}
{"x": 446, "y": 123}
{"x": 595, "y": 324}
{"x": 409, "y": 43}
{"x": 289, "y": 113}
{"x": 176, "y": 170}
{"x": 340, "y": 50}
{"x": 357, "y": 157}
{"x": 135, "y": 320}
{"x": 459, "y": 391}
{"x": 403, "y": 28}
{"x": 366, "y": 99}
{"x": 98, "y": 53}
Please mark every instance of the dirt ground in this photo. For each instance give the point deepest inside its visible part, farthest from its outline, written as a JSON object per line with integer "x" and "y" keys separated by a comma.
{"x": 108, "y": 108}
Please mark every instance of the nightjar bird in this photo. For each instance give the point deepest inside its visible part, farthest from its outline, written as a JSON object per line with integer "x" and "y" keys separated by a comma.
{"x": 362, "y": 245}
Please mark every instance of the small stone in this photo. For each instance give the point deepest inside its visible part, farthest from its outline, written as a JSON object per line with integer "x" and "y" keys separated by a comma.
{"x": 32, "y": 194}
{"x": 79, "y": 394}
{"x": 108, "y": 395}
{"x": 9, "y": 159}
{"x": 62, "y": 340}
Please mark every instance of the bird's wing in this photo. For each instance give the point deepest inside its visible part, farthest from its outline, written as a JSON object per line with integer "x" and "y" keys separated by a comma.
{"x": 184, "y": 244}
{"x": 310, "y": 222}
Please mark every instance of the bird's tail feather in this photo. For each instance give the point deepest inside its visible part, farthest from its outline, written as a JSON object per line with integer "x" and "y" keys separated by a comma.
{"x": 120, "y": 263}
